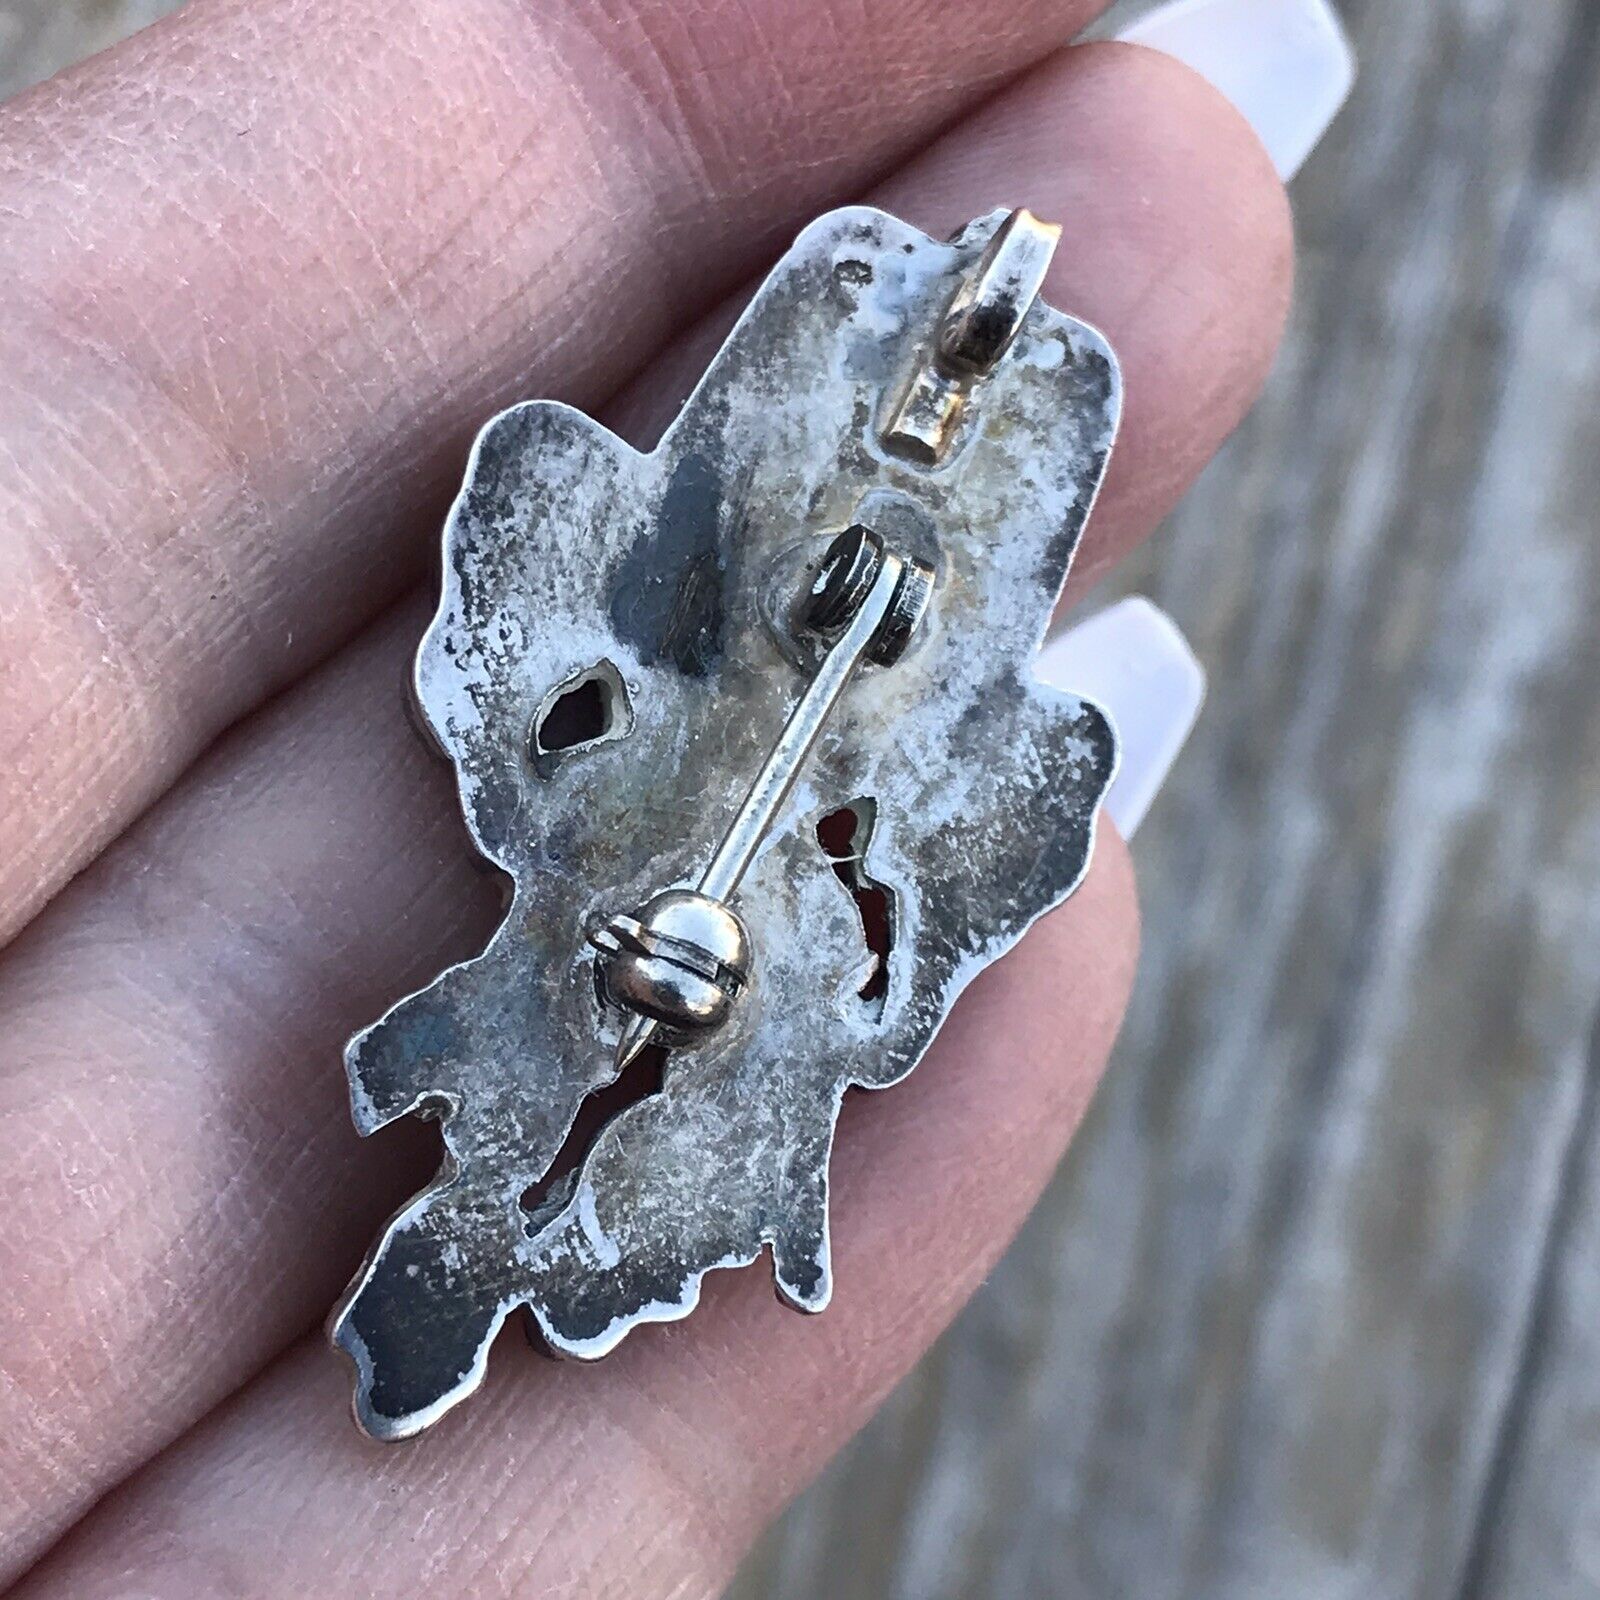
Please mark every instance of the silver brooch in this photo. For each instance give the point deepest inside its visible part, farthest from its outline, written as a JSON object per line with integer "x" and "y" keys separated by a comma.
{"x": 750, "y": 725}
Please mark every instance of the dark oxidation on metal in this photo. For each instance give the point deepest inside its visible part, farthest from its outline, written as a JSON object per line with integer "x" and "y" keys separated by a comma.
{"x": 568, "y": 554}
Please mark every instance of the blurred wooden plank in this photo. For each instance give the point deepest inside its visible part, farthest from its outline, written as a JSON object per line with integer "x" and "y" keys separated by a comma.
{"x": 1539, "y": 1534}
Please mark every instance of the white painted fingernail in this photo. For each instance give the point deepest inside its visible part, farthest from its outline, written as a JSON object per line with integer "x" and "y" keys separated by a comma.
{"x": 1286, "y": 64}
{"x": 1132, "y": 661}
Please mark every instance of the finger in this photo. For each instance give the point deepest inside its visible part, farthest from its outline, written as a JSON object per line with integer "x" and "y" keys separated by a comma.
{"x": 321, "y": 823}
{"x": 265, "y": 264}
{"x": 701, "y": 1431}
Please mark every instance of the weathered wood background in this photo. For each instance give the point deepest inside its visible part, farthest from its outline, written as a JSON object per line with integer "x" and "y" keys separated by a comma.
{"x": 1314, "y": 1308}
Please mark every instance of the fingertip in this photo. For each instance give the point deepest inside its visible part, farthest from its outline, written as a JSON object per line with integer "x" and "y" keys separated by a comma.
{"x": 1178, "y": 245}
{"x": 1178, "y": 122}
{"x": 1288, "y": 65}
{"x": 1243, "y": 224}
{"x": 1072, "y": 976}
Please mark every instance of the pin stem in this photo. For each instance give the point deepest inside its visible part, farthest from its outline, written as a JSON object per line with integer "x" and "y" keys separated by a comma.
{"x": 776, "y": 779}
{"x": 782, "y": 767}
{"x": 682, "y": 959}
{"x": 636, "y": 1036}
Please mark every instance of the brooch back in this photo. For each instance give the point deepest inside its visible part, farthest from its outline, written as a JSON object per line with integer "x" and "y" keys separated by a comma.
{"x": 750, "y": 724}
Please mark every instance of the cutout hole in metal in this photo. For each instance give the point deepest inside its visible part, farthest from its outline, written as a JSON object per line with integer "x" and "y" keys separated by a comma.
{"x": 844, "y": 836}
{"x": 591, "y": 708}
{"x": 640, "y": 1079}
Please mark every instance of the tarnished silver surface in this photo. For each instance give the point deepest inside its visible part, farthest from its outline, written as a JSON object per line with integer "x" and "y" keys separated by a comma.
{"x": 663, "y": 584}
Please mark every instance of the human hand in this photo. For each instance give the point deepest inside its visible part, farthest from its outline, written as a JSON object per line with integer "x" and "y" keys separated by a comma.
{"x": 265, "y": 270}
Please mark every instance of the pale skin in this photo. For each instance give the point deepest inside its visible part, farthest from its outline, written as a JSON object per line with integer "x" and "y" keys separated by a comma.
{"x": 263, "y": 270}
